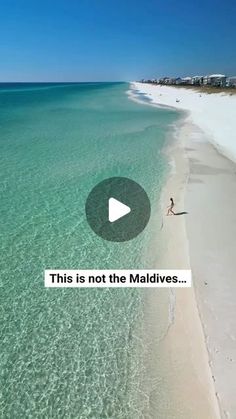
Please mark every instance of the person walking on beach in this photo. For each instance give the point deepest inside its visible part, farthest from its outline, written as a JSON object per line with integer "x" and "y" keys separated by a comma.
{"x": 170, "y": 208}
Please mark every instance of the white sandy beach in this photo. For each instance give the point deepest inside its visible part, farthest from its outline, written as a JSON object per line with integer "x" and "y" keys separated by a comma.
{"x": 215, "y": 114}
{"x": 201, "y": 343}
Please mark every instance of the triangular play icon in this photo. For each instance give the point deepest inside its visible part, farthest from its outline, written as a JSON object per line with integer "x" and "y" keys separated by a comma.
{"x": 117, "y": 210}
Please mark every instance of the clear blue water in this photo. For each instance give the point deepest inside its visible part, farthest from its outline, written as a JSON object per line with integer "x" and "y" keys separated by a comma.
{"x": 71, "y": 353}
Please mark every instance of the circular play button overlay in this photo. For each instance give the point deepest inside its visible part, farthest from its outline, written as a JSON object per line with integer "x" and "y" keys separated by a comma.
{"x": 117, "y": 209}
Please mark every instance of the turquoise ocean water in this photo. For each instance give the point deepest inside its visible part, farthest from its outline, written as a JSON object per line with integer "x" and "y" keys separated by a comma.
{"x": 70, "y": 353}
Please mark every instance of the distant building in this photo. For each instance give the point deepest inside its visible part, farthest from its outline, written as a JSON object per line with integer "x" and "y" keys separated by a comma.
{"x": 231, "y": 81}
{"x": 178, "y": 80}
{"x": 186, "y": 80}
{"x": 172, "y": 80}
{"x": 214, "y": 80}
{"x": 217, "y": 80}
{"x": 197, "y": 80}
{"x": 165, "y": 80}
{"x": 206, "y": 80}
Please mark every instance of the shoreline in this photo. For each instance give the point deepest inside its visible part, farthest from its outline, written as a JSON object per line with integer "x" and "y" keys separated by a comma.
{"x": 186, "y": 340}
{"x": 213, "y": 113}
{"x": 186, "y": 372}
{"x": 202, "y": 363}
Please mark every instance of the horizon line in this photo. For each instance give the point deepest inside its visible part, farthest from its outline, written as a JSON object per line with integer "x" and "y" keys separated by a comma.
{"x": 60, "y": 81}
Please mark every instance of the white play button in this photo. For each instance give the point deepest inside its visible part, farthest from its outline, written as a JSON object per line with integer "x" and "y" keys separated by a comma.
{"x": 117, "y": 210}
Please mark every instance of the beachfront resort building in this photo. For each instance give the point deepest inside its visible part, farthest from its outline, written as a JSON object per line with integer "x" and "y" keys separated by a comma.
{"x": 231, "y": 81}
{"x": 217, "y": 80}
{"x": 197, "y": 80}
{"x": 186, "y": 80}
{"x": 213, "y": 80}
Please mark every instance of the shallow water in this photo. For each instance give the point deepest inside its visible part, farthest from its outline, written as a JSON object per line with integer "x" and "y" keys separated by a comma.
{"x": 72, "y": 353}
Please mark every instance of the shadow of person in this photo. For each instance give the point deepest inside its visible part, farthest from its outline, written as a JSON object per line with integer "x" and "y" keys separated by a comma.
{"x": 181, "y": 213}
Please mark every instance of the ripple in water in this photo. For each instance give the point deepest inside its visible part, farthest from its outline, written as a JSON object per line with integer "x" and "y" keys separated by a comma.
{"x": 71, "y": 353}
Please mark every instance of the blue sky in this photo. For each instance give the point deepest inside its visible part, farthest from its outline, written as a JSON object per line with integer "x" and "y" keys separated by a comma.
{"x": 87, "y": 40}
